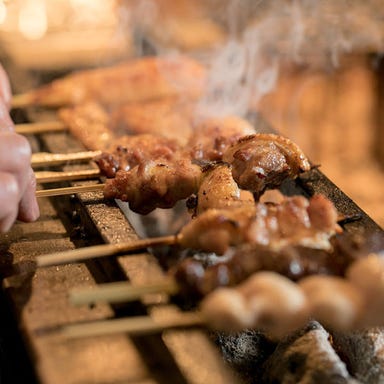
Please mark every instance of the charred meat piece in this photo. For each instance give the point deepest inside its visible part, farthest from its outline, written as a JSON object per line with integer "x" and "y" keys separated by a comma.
{"x": 219, "y": 190}
{"x": 263, "y": 161}
{"x": 295, "y": 262}
{"x": 294, "y": 221}
{"x": 213, "y": 136}
{"x": 130, "y": 151}
{"x": 155, "y": 184}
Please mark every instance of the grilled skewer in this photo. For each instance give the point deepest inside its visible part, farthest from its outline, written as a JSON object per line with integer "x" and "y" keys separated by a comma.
{"x": 272, "y": 303}
{"x": 135, "y": 80}
{"x": 311, "y": 222}
{"x": 171, "y": 176}
{"x": 193, "y": 280}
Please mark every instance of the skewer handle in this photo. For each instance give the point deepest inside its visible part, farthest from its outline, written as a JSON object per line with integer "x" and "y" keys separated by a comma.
{"x": 69, "y": 190}
{"x": 42, "y": 159}
{"x": 51, "y": 177}
{"x": 138, "y": 325}
{"x": 22, "y": 100}
{"x": 120, "y": 292}
{"x": 41, "y": 127}
{"x": 82, "y": 254}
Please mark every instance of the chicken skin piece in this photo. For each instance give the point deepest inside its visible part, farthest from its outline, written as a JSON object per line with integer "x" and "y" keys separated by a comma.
{"x": 262, "y": 161}
{"x": 136, "y": 80}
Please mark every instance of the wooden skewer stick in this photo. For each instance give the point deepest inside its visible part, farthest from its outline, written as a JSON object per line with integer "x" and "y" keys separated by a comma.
{"x": 120, "y": 292}
{"x": 42, "y": 159}
{"x": 51, "y": 177}
{"x": 69, "y": 190}
{"x": 41, "y": 127}
{"x": 22, "y": 100}
{"x": 138, "y": 325}
{"x": 82, "y": 254}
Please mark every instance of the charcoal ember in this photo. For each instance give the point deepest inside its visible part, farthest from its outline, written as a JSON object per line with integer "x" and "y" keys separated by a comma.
{"x": 245, "y": 352}
{"x": 363, "y": 352}
{"x": 306, "y": 357}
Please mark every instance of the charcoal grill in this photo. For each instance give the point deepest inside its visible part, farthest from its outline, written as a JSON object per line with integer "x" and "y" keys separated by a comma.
{"x": 37, "y": 304}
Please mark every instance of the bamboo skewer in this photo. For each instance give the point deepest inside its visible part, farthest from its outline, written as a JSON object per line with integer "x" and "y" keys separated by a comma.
{"x": 120, "y": 292}
{"x": 22, "y": 100}
{"x": 87, "y": 253}
{"x": 42, "y": 159}
{"x": 138, "y": 325}
{"x": 69, "y": 190}
{"x": 53, "y": 176}
{"x": 41, "y": 127}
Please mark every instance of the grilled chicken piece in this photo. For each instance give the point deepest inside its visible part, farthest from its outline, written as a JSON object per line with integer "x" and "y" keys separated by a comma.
{"x": 212, "y": 136}
{"x": 224, "y": 194}
{"x": 98, "y": 127}
{"x": 155, "y": 184}
{"x": 262, "y": 161}
{"x": 293, "y": 261}
{"x": 136, "y": 80}
{"x": 127, "y": 152}
{"x": 167, "y": 117}
{"x": 265, "y": 301}
{"x": 295, "y": 221}
{"x": 89, "y": 123}
{"x": 219, "y": 190}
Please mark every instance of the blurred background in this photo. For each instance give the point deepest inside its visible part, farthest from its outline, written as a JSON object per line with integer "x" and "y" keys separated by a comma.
{"x": 312, "y": 69}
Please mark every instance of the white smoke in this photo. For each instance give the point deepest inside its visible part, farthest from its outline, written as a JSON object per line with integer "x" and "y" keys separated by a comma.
{"x": 264, "y": 35}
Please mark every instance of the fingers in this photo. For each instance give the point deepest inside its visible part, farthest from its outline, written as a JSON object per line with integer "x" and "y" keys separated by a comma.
{"x": 6, "y": 123}
{"x": 28, "y": 207}
{"x": 17, "y": 182}
{"x": 5, "y": 88}
{"x": 9, "y": 201}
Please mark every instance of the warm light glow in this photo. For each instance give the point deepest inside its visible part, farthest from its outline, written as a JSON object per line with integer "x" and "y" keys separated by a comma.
{"x": 3, "y": 12}
{"x": 33, "y": 21}
{"x": 92, "y": 12}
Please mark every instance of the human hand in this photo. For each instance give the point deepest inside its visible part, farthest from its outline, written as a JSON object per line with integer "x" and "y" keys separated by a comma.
{"x": 17, "y": 180}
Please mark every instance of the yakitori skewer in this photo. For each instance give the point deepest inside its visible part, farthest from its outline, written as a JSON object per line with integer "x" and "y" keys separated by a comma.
{"x": 40, "y": 127}
{"x": 312, "y": 224}
{"x": 193, "y": 279}
{"x": 134, "y": 80}
{"x": 42, "y": 159}
{"x": 96, "y": 251}
{"x": 57, "y": 176}
{"x": 272, "y": 303}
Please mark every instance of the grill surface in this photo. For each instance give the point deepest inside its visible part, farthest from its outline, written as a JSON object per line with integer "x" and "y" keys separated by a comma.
{"x": 37, "y": 299}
